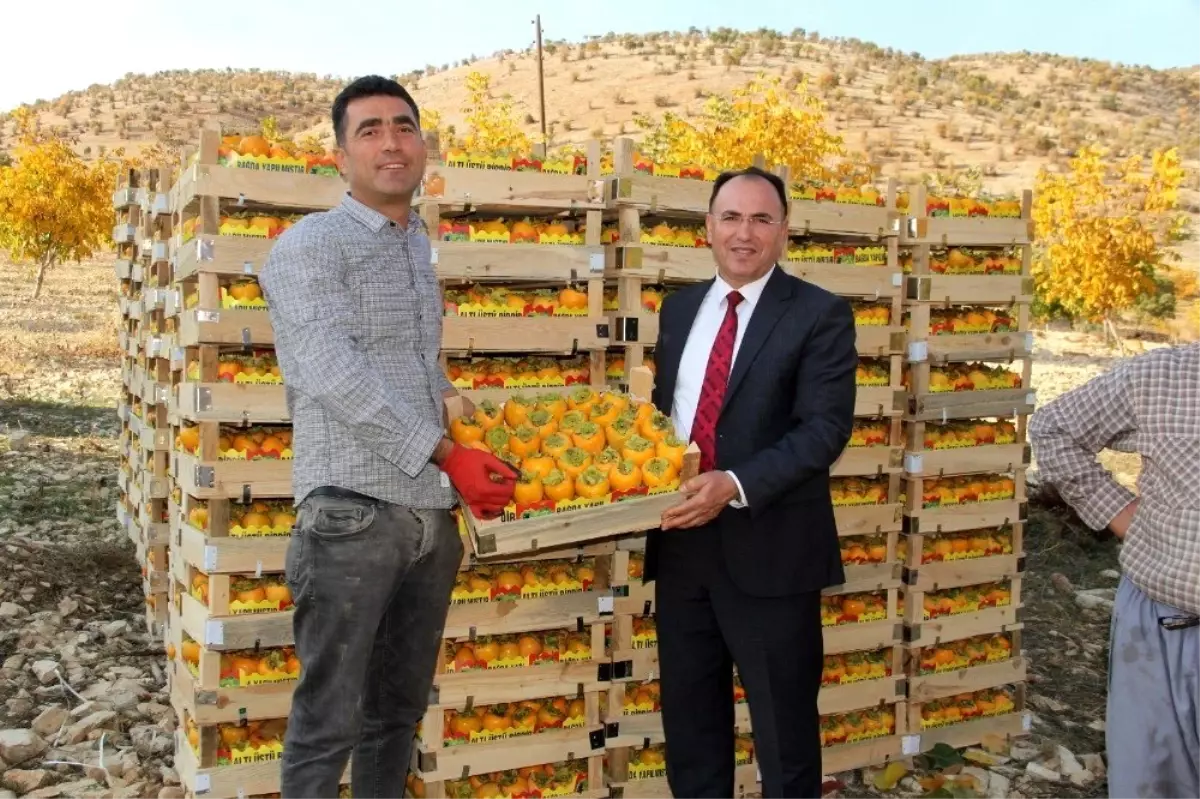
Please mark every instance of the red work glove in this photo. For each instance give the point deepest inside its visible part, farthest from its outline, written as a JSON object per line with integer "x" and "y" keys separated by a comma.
{"x": 485, "y": 482}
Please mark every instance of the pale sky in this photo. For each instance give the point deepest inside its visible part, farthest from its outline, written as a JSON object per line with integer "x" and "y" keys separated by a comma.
{"x": 70, "y": 44}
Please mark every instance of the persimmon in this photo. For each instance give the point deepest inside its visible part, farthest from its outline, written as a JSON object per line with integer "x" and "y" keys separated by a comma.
{"x": 657, "y": 472}
{"x": 462, "y": 725}
{"x": 589, "y": 437}
{"x": 574, "y": 461}
{"x": 529, "y": 646}
{"x": 524, "y": 442}
{"x": 543, "y": 421}
{"x": 853, "y": 607}
{"x": 253, "y": 145}
{"x": 278, "y": 592}
{"x": 540, "y": 465}
{"x": 227, "y": 371}
{"x": 604, "y": 412}
{"x": 591, "y": 483}
{"x": 619, "y": 431}
{"x": 672, "y": 447}
{"x": 497, "y": 439}
{"x": 550, "y": 717}
{"x": 464, "y": 658}
{"x": 292, "y": 665}
{"x": 249, "y": 591}
{"x": 638, "y": 449}
{"x": 272, "y": 446}
{"x": 509, "y": 650}
{"x": 556, "y": 444}
{"x": 582, "y": 398}
{"x": 553, "y": 403}
{"x": 573, "y": 299}
{"x": 585, "y": 574}
{"x": 606, "y": 459}
{"x": 517, "y": 408}
{"x": 576, "y": 709}
{"x": 188, "y": 439}
{"x": 571, "y": 421}
{"x": 625, "y": 475}
{"x": 528, "y": 490}
{"x": 494, "y": 721}
{"x": 198, "y": 518}
{"x": 190, "y": 652}
{"x": 487, "y": 415}
{"x": 557, "y": 486}
{"x": 487, "y": 651}
{"x": 877, "y": 551}
{"x": 256, "y": 520}
{"x": 656, "y": 427}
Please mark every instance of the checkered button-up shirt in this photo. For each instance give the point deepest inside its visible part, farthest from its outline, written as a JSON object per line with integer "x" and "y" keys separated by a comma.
{"x": 357, "y": 316}
{"x": 1149, "y": 404}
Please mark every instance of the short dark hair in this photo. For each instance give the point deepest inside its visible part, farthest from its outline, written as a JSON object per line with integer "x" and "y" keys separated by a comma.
{"x": 367, "y": 86}
{"x": 754, "y": 171}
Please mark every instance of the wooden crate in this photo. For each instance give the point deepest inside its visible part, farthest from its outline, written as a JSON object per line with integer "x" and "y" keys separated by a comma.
{"x": 925, "y": 225}
{"x": 640, "y": 770}
{"x": 1008, "y": 725}
{"x": 582, "y": 778}
{"x": 953, "y": 667}
{"x": 447, "y": 746}
{"x": 213, "y": 689}
{"x": 224, "y": 623}
{"x": 963, "y": 446}
{"x": 964, "y": 502}
{"x": 997, "y": 609}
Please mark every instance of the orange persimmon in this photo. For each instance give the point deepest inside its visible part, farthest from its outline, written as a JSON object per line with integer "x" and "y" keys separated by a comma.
{"x": 658, "y": 472}
{"x": 672, "y": 448}
{"x": 488, "y": 414}
{"x": 554, "y": 403}
{"x": 638, "y": 449}
{"x": 606, "y": 459}
{"x": 516, "y": 409}
{"x": 656, "y": 426}
{"x": 557, "y": 487}
{"x": 591, "y": 483}
{"x": 524, "y": 441}
{"x": 464, "y": 430}
{"x": 556, "y": 444}
{"x": 544, "y": 421}
{"x": 574, "y": 461}
{"x": 528, "y": 489}
{"x": 541, "y": 465}
{"x": 497, "y": 439}
{"x": 589, "y": 436}
{"x": 571, "y": 420}
{"x": 619, "y": 431}
{"x": 582, "y": 398}
{"x": 573, "y": 298}
{"x": 604, "y": 412}
{"x": 625, "y": 475}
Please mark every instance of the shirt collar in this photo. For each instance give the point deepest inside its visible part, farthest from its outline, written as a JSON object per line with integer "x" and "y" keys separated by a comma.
{"x": 750, "y": 292}
{"x": 372, "y": 219}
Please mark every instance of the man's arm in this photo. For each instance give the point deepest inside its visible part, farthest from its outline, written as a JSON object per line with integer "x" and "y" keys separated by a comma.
{"x": 1067, "y": 433}
{"x": 311, "y": 309}
{"x": 824, "y": 402}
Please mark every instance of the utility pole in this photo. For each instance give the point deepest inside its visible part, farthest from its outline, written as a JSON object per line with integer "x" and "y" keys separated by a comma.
{"x": 537, "y": 23}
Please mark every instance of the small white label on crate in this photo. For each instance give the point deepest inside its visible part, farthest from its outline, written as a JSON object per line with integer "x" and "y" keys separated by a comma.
{"x": 1030, "y": 398}
{"x": 1026, "y": 722}
{"x": 914, "y": 463}
{"x": 203, "y": 783}
{"x": 604, "y": 604}
{"x": 161, "y": 204}
{"x": 433, "y": 256}
{"x": 210, "y": 558}
{"x": 918, "y": 350}
{"x": 159, "y": 251}
{"x": 897, "y": 279}
{"x": 910, "y": 745}
{"x": 596, "y": 262}
{"x": 1029, "y": 342}
{"x": 214, "y": 633}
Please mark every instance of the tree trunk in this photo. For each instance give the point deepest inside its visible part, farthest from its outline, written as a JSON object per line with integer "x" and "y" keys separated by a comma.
{"x": 43, "y": 265}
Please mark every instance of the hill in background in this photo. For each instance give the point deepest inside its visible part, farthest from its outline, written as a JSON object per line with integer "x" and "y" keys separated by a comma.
{"x": 1006, "y": 115}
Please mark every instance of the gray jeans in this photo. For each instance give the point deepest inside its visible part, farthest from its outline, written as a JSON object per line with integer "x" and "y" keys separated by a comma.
{"x": 371, "y": 582}
{"x": 1153, "y": 725}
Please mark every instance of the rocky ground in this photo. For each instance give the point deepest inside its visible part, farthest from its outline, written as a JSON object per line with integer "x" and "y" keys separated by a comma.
{"x": 83, "y": 704}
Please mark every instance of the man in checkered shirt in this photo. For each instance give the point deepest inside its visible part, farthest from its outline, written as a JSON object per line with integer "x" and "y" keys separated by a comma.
{"x": 357, "y": 316}
{"x": 1149, "y": 404}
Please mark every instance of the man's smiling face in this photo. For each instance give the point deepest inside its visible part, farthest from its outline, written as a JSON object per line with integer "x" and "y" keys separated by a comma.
{"x": 383, "y": 154}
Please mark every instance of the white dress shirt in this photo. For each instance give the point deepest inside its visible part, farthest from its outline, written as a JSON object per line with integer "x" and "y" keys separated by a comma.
{"x": 694, "y": 362}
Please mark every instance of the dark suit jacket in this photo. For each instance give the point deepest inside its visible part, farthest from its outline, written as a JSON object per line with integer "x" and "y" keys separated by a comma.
{"x": 787, "y": 416}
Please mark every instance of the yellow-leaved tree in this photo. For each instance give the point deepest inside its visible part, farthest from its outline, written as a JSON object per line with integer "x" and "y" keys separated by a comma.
{"x": 54, "y": 205}
{"x": 765, "y": 117}
{"x": 492, "y": 127}
{"x": 1101, "y": 230}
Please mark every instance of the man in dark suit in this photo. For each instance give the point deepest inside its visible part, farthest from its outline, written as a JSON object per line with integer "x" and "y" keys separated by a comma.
{"x": 757, "y": 367}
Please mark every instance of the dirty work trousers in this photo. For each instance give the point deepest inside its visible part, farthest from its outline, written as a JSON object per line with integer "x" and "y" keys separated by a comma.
{"x": 371, "y": 582}
{"x": 1153, "y": 724}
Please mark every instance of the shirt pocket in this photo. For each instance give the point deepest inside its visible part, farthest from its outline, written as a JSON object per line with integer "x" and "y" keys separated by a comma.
{"x": 390, "y": 307}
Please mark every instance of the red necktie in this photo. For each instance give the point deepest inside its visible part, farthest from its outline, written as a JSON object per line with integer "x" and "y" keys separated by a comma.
{"x": 716, "y": 378}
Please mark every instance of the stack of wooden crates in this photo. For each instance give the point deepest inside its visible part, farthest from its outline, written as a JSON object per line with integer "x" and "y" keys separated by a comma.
{"x": 557, "y": 689}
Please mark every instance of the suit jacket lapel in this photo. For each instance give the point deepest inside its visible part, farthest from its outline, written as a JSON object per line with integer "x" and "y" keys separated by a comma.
{"x": 676, "y": 337}
{"x": 774, "y": 301}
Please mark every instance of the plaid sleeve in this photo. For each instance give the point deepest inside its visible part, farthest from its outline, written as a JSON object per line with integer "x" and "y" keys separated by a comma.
{"x": 310, "y": 306}
{"x": 1067, "y": 433}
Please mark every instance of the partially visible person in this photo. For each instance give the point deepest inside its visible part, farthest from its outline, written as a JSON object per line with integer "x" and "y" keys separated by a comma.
{"x": 357, "y": 315}
{"x": 1150, "y": 405}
